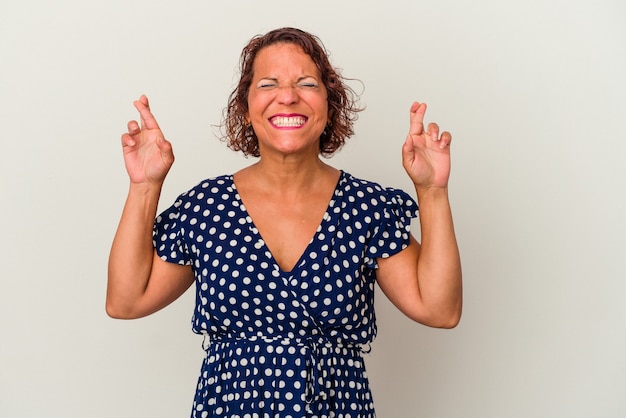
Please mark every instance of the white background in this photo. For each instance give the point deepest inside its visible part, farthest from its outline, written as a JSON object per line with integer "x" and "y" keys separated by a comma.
{"x": 534, "y": 93}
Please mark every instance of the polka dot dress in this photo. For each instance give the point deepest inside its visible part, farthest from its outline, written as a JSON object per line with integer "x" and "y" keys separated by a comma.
{"x": 280, "y": 343}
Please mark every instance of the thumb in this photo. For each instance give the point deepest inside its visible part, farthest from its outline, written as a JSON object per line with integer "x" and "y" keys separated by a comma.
{"x": 408, "y": 153}
{"x": 165, "y": 147}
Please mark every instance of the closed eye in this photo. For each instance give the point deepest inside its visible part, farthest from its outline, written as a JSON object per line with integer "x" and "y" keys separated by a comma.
{"x": 266, "y": 84}
{"x": 308, "y": 83}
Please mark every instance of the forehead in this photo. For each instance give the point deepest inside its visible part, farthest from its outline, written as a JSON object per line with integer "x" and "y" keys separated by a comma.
{"x": 283, "y": 58}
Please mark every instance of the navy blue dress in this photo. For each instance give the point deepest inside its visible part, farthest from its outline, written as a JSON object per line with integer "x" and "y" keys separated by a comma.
{"x": 281, "y": 343}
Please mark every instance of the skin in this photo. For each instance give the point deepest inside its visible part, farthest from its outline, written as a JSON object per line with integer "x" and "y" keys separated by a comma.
{"x": 286, "y": 82}
{"x": 424, "y": 281}
{"x": 289, "y": 182}
{"x": 286, "y": 193}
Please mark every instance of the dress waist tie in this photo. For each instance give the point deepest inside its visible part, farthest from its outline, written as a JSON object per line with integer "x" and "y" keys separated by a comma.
{"x": 312, "y": 351}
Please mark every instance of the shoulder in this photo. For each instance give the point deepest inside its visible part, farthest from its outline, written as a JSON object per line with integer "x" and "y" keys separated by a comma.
{"x": 366, "y": 194}
{"x": 209, "y": 196}
{"x": 350, "y": 183}
{"x": 212, "y": 184}
{"x": 209, "y": 186}
{"x": 363, "y": 188}
{"x": 207, "y": 192}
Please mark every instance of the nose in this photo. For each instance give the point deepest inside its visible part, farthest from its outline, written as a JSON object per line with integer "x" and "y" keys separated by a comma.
{"x": 287, "y": 95}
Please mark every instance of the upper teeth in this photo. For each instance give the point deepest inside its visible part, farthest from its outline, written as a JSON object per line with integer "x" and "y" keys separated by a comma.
{"x": 288, "y": 121}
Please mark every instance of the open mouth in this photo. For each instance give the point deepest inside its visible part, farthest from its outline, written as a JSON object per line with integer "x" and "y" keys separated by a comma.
{"x": 288, "y": 121}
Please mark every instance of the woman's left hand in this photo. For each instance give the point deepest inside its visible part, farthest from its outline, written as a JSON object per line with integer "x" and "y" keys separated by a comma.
{"x": 426, "y": 153}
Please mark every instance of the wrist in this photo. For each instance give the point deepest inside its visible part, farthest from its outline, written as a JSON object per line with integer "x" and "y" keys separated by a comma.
{"x": 149, "y": 193}
{"x": 145, "y": 187}
{"x": 431, "y": 192}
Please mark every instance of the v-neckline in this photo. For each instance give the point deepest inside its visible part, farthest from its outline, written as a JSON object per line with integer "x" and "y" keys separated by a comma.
{"x": 318, "y": 229}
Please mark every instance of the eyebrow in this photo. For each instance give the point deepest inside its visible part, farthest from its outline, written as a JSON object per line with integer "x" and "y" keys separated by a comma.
{"x": 298, "y": 80}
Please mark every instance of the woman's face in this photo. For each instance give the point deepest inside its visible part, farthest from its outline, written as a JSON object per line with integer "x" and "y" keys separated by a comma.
{"x": 287, "y": 101}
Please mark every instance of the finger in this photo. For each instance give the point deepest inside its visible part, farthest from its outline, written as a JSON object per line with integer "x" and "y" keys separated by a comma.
{"x": 446, "y": 139}
{"x": 128, "y": 141}
{"x": 417, "y": 118}
{"x": 147, "y": 118}
{"x": 165, "y": 147}
{"x": 433, "y": 131}
{"x": 144, "y": 99}
{"x": 133, "y": 127}
{"x": 140, "y": 106}
{"x": 408, "y": 153}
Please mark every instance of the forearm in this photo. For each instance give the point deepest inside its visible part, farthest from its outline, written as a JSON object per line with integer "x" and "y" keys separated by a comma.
{"x": 131, "y": 257}
{"x": 439, "y": 264}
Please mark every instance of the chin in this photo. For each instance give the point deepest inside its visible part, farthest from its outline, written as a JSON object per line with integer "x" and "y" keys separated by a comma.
{"x": 288, "y": 148}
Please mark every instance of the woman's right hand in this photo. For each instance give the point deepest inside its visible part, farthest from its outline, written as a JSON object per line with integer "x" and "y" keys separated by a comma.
{"x": 139, "y": 282}
{"x": 148, "y": 156}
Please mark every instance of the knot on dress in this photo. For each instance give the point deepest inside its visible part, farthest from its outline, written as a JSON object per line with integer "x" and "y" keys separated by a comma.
{"x": 318, "y": 355}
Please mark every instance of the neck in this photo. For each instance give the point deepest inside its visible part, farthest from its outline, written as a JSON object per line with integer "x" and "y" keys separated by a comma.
{"x": 288, "y": 176}
{"x": 297, "y": 172}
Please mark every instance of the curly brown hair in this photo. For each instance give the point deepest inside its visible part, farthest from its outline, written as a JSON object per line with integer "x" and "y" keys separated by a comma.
{"x": 342, "y": 100}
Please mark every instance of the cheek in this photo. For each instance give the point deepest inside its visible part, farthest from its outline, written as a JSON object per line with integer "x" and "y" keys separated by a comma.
{"x": 327, "y": 108}
{"x": 257, "y": 104}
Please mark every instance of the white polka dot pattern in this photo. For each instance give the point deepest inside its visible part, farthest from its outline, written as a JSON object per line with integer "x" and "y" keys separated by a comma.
{"x": 284, "y": 343}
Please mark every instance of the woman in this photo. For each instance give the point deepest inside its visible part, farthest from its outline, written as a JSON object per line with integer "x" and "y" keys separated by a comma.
{"x": 285, "y": 252}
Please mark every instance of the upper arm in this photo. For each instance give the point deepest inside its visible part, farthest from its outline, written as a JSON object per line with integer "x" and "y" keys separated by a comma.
{"x": 397, "y": 277}
{"x": 167, "y": 282}
{"x": 426, "y": 290}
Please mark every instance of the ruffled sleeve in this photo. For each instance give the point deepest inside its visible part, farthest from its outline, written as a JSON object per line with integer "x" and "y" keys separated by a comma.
{"x": 168, "y": 235}
{"x": 392, "y": 233}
